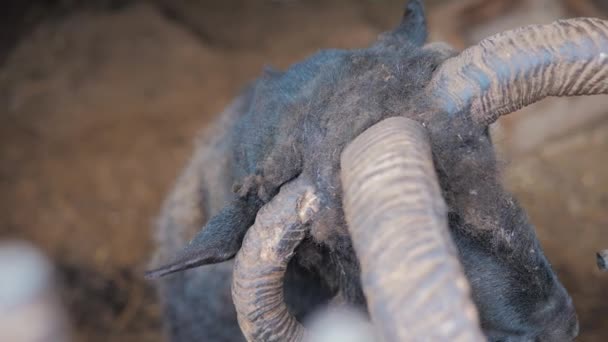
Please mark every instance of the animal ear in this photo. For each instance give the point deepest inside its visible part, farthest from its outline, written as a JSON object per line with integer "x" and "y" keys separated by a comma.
{"x": 218, "y": 241}
{"x": 602, "y": 260}
{"x": 413, "y": 23}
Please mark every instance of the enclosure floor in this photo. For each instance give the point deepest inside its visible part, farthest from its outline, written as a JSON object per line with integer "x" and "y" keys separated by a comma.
{"x": 99, "y": 111}
{"x": 564, "y": 188}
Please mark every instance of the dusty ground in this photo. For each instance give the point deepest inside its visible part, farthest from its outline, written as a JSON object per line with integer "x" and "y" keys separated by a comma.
{"x": 564, "y": 187}
{"x": 99, "y": 106}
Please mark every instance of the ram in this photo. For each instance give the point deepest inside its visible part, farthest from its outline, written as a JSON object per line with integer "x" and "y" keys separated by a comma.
{"x": 368, "y": 178}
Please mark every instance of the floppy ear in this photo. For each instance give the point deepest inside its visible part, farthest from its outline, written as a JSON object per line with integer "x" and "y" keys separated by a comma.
{"x": 413, "y": 23}
{"x": 219, "y": 240}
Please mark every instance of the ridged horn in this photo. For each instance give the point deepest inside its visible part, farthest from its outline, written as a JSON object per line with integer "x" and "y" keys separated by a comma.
{"x": 510, "y": 70}
{"x": 259, "y": 269}
{"x": 411, "y": 276}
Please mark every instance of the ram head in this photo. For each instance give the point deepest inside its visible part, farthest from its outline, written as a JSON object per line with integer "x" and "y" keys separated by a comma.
{"x": 368, "y": 177}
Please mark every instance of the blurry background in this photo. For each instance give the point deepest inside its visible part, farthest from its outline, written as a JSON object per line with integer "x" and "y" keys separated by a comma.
{"x": 100, "y": 101}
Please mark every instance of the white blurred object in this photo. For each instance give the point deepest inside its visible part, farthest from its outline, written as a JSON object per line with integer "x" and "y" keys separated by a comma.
{"x": 341, "y": 324}
{"x": 30, "y": 310}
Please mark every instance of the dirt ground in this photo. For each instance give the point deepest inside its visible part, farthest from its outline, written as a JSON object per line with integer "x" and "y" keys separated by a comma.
{"x": 100, "y": 105}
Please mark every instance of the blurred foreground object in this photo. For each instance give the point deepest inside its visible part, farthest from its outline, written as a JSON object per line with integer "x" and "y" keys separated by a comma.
{"x": 341, "y": 324}
{"x": 30, "y": 310}
{"x": 602, "y": 260}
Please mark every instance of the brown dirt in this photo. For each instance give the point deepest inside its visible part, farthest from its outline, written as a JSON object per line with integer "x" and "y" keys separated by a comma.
{"x": 564, "y": 187}
{"x": 100, "y": 108}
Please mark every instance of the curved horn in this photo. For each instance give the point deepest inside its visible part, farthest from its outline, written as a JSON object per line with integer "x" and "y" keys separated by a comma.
{"x": 411, "y": 276}
{"x": 259, "y": 269}
{"x": 513, "y": 69}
